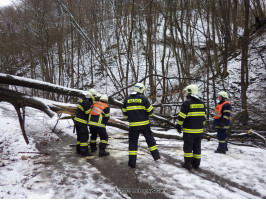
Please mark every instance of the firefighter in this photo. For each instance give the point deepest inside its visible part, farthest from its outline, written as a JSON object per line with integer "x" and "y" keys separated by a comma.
{"x": 221, "y": 121}
{"x": 98, "y": 118}
{"x": 81, "y": 122}
{"x": 191, "y": 120}
{"x": 137, "y": 109}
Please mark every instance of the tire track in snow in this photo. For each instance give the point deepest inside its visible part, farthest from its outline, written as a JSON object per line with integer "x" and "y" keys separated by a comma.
{"x": 210, "y": 176}
{"x": 124, "y": 178}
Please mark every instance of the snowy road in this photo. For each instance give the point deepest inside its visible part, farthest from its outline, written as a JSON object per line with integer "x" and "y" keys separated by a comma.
{"x": 149, "y": 177}
{"x": 51, "y": 169}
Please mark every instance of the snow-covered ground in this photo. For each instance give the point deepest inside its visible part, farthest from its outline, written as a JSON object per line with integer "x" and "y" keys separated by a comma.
{"x": 62, "y": 174}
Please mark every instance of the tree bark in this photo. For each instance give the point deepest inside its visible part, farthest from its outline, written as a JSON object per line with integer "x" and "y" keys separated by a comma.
{"x": 21, "y": 100}
{"x": 21, "y": 118}
{"x": 26, "y": 82}
{"x": 244, "y": 62}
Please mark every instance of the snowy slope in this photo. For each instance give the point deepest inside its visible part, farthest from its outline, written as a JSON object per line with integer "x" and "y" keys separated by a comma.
{"x": 62, "y": 174}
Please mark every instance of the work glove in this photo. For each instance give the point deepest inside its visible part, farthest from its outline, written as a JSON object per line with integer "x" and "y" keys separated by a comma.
{"x": 179, "y": 128}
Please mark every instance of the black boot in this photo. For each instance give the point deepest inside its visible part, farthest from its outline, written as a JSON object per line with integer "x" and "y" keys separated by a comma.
{"x": 187, "y": 163}
{"x": 155, "y": 154}
{"x": 196, "y": 163}
{"x": 84, "y": 150}
{"x": 187, "y": 166}
{"x": 132, "y": 161}
{"x": 78, "y": 149}
{"x": 131, "y": 165}
{"x": 218, "y": 151}
{"x": 83, "y": 154}
{"x": 103, "y": 153}
{"x": 93, "y": 147}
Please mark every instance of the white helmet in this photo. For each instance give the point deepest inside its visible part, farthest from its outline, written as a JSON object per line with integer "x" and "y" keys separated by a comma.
{"x": 192, "y": 90}
{"x": 104, "y": 98}
{"x": 223, "y": 94}
{"x": 139, "y": 87}
{"x": 92, "y": 93}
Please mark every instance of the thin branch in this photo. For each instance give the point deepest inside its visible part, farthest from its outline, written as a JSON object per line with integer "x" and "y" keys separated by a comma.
{"x": 158, "y": 75}
{"x": 21, "y": 118}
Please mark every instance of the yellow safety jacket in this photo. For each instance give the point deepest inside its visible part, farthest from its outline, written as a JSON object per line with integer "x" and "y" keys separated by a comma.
{"x": 137, "y": 109}
{"x": 83, "y": 110}
{"x": 192, "y": 116}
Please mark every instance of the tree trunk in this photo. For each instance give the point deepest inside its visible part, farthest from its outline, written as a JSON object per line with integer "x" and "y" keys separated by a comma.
{"x": 150, "y": 51}
{"x": 244, "y": 62}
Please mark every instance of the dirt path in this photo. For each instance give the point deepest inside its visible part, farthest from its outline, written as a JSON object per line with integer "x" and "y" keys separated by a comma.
{"x": 127, "y": 182}
{"x": 125, "y": 178}
{"x": 117, "y": 172}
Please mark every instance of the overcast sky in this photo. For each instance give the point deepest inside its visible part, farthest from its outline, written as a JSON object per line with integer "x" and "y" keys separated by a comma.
{"x": 5, "y": 2}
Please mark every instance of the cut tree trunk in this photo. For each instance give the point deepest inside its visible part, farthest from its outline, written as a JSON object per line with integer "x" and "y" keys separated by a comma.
{"x": 21, "y": 100}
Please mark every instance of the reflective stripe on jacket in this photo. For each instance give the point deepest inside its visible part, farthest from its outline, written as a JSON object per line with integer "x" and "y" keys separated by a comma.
{"x": 99, "y": 115}
{"x": 218, "y": 111}
{"x": 223, "y": 112}
{"x": 137, "y": 109}
{"x": 192, "y": 116}
{"x": 83, "y": 110}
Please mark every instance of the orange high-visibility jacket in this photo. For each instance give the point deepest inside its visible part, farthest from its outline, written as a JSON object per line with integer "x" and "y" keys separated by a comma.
{"x": 218, "y": 110}
{"x": 99, "y": 115}
{"x": 98, "y": 107}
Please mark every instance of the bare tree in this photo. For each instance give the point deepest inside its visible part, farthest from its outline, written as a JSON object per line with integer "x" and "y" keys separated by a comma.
{"x": 244, "y": 60}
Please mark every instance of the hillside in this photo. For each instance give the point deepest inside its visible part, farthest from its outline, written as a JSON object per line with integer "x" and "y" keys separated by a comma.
{"x": 70, "y": 46}
{"x": 167, "y": 45}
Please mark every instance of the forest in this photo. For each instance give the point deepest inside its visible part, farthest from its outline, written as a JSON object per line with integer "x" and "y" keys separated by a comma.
{"x": 112, "y": 44}
{"x": 53, "y": 51}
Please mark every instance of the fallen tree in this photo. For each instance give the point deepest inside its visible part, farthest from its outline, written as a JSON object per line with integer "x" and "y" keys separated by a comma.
{"x": 49, "y": 87}
{"x": 113, "y": 122}
{"x": 20, "y": 101}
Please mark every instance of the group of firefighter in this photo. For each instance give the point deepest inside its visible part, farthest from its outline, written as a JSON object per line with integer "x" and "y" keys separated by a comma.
{"x": 137, "y": 110}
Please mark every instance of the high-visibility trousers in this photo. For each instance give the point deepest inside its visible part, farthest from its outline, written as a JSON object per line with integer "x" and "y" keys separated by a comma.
{"x": 95, "y": 131}
{"x": 192, "y": 148}
{"x": 82, "y": 137}
{"x": 133, "y": 145}
{"x": 221, "y": 136}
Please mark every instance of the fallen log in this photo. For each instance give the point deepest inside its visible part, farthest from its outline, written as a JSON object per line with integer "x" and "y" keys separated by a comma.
{"x": 31, "y": 83}
{"x": 124, "y": 126}
{"x": 22, "y": 100}
{"x": 72, "y": 112}
{"x": 41, "y": 85}
{"x": 234, "y": 118}
{"x": 250, "y": 131}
